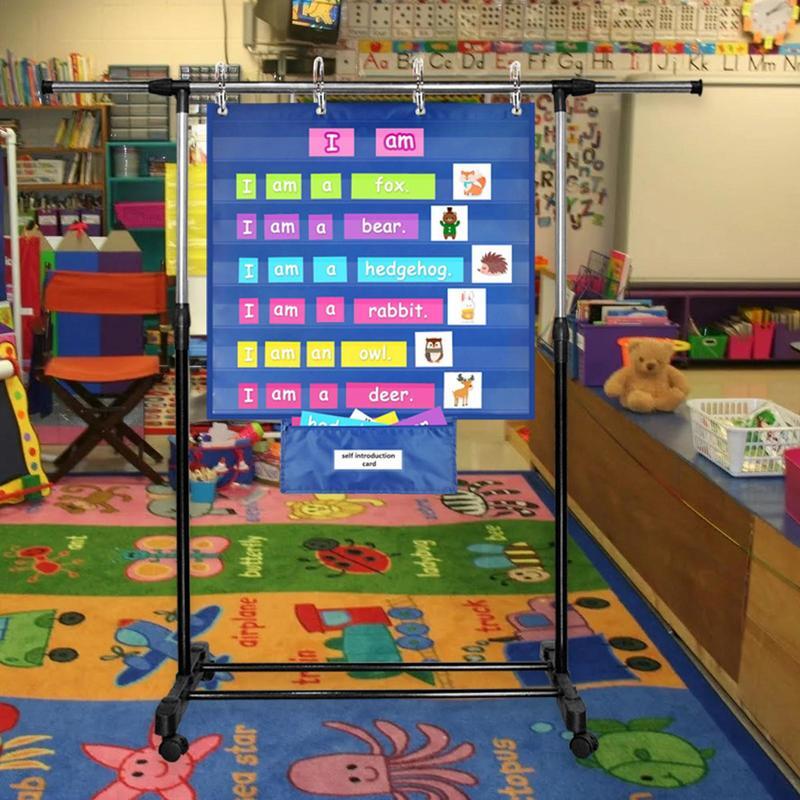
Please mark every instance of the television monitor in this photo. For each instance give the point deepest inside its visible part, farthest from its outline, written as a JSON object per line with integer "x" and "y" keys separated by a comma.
{"x": 313, "y": 21}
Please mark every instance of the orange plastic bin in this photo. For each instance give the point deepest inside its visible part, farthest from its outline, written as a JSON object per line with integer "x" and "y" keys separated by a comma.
{"x": 678, "y": 345}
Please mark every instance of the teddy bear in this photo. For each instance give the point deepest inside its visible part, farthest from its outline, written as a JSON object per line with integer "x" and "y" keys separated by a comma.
{"x": 649, "y": 382}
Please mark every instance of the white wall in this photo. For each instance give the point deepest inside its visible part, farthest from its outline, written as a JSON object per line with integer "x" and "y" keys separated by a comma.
{"x": 191, "y": 31}
{"x": 711, "y": 187}
{"x": 170, "y": 32}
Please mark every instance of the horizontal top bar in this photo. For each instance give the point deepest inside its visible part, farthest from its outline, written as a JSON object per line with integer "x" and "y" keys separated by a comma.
{"x": 384, "y": 87}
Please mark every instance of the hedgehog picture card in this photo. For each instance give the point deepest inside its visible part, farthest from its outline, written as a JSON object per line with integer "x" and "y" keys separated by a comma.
{"x": 491, "y": 263}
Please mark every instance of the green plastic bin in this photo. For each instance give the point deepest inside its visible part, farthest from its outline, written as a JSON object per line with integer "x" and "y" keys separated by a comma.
{"x": 711, "y": 346}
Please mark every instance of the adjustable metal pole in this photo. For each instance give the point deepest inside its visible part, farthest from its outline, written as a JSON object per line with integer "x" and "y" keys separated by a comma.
{"x": 560, "y": 349}
{"x": 182, "y": 385}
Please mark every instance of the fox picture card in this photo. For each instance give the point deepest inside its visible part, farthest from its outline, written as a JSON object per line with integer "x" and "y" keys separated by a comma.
{"x": 370, "y": 258}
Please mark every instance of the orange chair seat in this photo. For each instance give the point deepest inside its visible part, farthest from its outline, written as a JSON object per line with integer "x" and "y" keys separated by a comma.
{"x": 101, "y": 369}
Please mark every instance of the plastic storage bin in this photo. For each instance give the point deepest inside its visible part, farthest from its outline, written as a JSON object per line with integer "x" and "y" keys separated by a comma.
{"x": 599, "y": 353}
{"x": 713, "y": 346}
{"x": 145, "y": 214}
{"x": 47, "y": 220}
{"x": 782, "y": 349}
{"x": 748, "y": 452}
{"x": 740, "y": 348}
{"x": 202, "y": 491}
{"x": 232, "y": 462}
{"x": 762, "y": 340}
{"x": 384, "y": 459}
{"x": 40, "y": 170}
{"x": 126, "y": 161}
{"x": 793, "y": 483}
{"x": 678, "y": 346}
{"x": 92, "y": 219}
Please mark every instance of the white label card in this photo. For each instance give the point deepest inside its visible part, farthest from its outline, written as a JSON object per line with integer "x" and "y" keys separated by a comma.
{"x": 366, "y": 460}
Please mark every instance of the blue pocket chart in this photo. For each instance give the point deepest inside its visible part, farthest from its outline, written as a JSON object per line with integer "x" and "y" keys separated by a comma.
{"x": 370, "y": 259}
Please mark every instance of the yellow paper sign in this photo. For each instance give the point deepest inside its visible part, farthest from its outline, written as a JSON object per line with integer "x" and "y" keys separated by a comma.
{"x": 373, "y": 354}
{"x": 247, "y": 354}
{"x": 282, "y": 354}
{"x": 196, "y": 231}
{"x": 321, "y": 354}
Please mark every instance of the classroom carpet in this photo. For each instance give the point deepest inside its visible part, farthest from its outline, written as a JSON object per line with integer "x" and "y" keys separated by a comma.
{"x": 87, "y": 648}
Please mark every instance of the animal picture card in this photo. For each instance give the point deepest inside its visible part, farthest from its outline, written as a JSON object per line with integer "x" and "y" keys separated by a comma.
{"x": 450, "y": 223}
{"x": 491, "y": 263}
{"x": 472, "y": 181}
{"x": 433, "y": 348}
{"x": 463, "y": 390}
{"x": 466, "y": 306}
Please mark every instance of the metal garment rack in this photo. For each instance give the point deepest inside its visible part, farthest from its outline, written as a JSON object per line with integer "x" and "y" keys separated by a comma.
{"x": 194, "y": 664}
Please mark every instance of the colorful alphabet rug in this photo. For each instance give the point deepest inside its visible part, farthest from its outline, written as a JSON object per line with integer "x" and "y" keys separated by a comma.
{"x": 87, "y": 648}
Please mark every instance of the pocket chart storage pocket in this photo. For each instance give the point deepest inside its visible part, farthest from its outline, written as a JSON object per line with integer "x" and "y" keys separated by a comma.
{"x": 377, "y": 460}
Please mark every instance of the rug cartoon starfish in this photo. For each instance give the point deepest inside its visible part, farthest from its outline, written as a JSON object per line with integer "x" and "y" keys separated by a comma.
{"x": 142, "y": 771}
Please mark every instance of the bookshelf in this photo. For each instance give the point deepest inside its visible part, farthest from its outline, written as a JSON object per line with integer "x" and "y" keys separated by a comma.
{"x": 37, "y": 128}
{"x": 707, "y": 303}
{"x": 57, "y": 150}
{"x": 60, "y": 187}
{"x": 138, "y": 188}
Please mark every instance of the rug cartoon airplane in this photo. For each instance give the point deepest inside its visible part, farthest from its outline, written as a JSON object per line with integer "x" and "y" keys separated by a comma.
{"x": 161, "y": 645}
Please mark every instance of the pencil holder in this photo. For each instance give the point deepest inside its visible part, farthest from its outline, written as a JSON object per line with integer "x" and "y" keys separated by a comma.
{"x": 385, "y": 459}
{"x": 202, "y": 491}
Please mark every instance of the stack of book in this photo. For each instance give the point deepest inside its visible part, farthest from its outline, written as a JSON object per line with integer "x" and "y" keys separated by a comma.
{"x": 21, "y": 80}
{"x": 621, "y": 312}
{"x": 80, "y": 129}
{"x": 82, "y": 168}
{"x": 790, "y": 317}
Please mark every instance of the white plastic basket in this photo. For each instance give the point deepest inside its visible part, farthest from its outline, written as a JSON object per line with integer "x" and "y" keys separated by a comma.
{"x": 748, "y": 452}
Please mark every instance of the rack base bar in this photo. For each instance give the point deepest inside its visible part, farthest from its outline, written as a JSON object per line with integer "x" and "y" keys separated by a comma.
{"x": 377, "y": 666}
{"x": 367, "y": 694}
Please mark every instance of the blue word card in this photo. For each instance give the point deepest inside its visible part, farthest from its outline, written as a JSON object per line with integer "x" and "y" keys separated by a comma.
{"x": 370, "y": 258}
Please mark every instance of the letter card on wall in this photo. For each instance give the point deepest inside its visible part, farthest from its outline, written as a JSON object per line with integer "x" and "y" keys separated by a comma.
{"x": 370, "y": 259}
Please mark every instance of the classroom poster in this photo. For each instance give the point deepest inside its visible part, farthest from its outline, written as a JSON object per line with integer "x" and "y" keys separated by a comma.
{"x": 370, "y": 258}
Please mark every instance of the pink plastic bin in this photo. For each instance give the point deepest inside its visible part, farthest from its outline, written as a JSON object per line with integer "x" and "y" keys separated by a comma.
{"x": 740, "y": 347}
{"x": 762, "y": 340}
{"x": 149, "y": 214}
{"x": 793, "y": 482}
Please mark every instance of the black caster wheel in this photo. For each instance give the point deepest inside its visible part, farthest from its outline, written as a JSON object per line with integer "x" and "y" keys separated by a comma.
{"x": 208, "y": 675}
{"x": 583, "y": 744}
{"x": 173, "y": 747}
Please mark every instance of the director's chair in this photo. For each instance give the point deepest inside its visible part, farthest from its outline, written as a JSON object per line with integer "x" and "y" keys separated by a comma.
{"x": 69, "y": 377}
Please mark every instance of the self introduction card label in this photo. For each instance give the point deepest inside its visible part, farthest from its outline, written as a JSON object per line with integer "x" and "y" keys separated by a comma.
{"x": 370, "y": 259}
{"x": 368, "y": 459}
